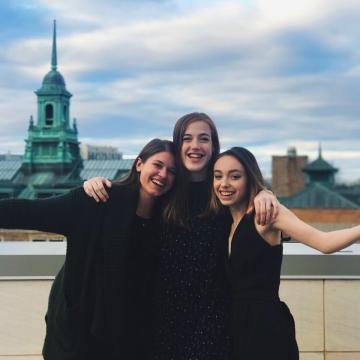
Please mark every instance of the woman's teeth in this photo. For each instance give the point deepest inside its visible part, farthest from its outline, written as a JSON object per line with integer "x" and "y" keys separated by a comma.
{"x": 226, "y": 193}
{"x": 157, "y": 182}
{"x": 195, "y": 156}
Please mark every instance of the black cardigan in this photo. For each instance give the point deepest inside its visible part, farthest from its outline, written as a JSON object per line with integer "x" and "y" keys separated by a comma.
{"x": 91, "y": 312}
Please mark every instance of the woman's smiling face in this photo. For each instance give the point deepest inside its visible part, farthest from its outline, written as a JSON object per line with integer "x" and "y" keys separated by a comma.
{"x": 230, "y": 181}
{"x": 196, "y": 149}
{"x": 157, "y": 174}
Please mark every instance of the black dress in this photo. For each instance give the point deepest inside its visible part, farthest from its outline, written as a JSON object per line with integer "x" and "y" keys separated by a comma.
{"x": 191, "y": 302}
{"x": 262, "y": 326}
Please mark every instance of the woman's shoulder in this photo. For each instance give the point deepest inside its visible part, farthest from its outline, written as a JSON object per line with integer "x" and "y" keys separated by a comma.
{"x": 120, "y": 194}
{"x": 120, "y": 189}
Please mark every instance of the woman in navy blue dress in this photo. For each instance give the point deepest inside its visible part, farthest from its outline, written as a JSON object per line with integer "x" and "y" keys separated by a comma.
{"x": 262, "y": 326}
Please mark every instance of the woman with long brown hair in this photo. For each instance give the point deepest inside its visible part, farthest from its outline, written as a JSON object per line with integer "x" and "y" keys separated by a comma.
{"x": 262, "y": 326}
{"x": 97, "y": 304}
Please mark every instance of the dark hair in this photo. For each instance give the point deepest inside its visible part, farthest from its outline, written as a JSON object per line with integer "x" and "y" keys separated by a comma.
{"x": 153, "y": 147}
{"x": 177, "y": 210}
{"x": 255, "y": 180}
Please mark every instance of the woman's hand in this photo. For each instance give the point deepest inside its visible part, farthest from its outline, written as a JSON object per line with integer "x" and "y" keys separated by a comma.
{"x": 95, "y": 188}
{"x": 266, "y": 207}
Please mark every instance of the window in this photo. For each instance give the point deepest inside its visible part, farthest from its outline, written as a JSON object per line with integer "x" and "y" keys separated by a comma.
{"x": 49, "y": 115}
{"x": 64, "y": 112}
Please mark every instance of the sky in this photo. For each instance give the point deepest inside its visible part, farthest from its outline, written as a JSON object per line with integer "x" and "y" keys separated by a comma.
{"x": 273, "y": 74}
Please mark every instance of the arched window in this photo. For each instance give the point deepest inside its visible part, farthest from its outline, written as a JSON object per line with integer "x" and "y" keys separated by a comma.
{"x": 64, "y": 112}
{"x": 49, "y": 115}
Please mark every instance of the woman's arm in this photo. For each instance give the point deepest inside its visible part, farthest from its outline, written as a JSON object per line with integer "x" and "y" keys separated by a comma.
{"x": 57, "y": 214}
{"x": 326, "y": 242}
{"x": 265, "y": 203}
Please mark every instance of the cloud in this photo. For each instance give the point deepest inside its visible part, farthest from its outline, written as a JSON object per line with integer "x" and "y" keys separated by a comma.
{"x": 271, "y": 73}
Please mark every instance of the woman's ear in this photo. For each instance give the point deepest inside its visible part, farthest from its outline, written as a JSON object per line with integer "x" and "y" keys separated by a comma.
{"x": 138, "y": 164}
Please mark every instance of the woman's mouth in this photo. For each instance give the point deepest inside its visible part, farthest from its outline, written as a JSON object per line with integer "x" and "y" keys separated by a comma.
{"x": 195, "y": 156}
{"x": 226, "y": 193}
{"x": 158, "y": 182}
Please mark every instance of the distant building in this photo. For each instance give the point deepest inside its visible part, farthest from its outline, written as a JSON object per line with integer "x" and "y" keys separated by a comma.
{"x": 319, "y": 201}
{"x": 98, "y": 152}
{"x": 52, "y": 163}
{"x": 288, "y": 177}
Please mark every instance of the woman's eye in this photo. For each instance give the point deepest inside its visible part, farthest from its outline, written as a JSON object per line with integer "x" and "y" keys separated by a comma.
{"x": 205, "y": 139}
{"x": 236, "y": 177}
{"x": 186, "y": 139}
{"x": 157, "y": 165}
{"x": 217, "y": 177}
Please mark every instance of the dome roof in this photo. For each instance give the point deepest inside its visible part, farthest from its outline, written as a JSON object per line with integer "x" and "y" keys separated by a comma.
{"x": 319, "y": 165}
{"x": 53, "y": 79}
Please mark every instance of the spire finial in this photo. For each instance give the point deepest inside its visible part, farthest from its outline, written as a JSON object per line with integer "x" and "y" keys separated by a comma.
{"x": 54, "y": 54}
{"x": 320, "y": 150}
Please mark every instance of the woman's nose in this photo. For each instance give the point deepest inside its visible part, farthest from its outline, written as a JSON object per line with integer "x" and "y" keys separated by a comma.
{"x": 195, "y": 143}
{"x": 163, "y": 172}
{"x": 224, "y": 182}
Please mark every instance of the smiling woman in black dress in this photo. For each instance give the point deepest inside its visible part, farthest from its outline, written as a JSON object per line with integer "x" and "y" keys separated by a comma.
{"x": 97, "y": 307}
{"x": 261, "y": 325}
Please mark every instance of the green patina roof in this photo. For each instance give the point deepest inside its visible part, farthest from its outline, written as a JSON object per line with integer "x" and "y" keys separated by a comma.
{"x": 53, "y": 82}
{"x": 351, "y": 192}
{"x": 53, "y": 79}
{"x": 8, "y": 169}
{"x": 319, "y": 165}
{"x": 316, "y": 195}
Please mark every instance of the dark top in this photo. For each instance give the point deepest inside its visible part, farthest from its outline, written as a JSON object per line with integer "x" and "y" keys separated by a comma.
{"x": 262, "y": 326}
{"x": 93, "y": 310}
{"x": 190, "y": 309}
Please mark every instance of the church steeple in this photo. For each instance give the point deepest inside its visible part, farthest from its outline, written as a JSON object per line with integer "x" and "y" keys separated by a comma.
{"x": 54, "y": 52}
{"x": 52, "y": 142}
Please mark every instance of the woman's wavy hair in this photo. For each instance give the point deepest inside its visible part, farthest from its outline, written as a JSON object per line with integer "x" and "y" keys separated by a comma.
{"x": 153, "y": 147}
{"x": 254, "y": 179}
{"x": 176, "y": 212}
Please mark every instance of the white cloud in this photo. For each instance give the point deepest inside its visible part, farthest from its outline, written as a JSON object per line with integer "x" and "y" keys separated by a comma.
{"x": 269, "y": 72}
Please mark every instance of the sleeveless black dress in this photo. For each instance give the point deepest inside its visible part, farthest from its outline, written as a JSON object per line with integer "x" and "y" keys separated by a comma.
{"x": 262, "y": 326}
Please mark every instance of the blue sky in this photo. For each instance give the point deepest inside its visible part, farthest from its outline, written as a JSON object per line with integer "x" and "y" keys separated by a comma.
{"x": 271, "y": 73}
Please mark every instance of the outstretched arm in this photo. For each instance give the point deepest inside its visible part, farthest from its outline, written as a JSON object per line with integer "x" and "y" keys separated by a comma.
{"x": 96, "y": 188}
{"x": 56, "y": 214}
{"x": 326, "y": 242}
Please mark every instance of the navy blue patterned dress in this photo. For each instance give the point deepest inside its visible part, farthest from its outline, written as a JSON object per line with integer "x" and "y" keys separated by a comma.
{"x": 190, "y": 302}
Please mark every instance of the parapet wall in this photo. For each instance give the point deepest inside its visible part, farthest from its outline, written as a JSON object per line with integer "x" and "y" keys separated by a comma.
{"x": 326, "y": 312}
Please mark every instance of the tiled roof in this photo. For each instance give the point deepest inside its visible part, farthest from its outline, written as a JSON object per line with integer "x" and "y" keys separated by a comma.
{"x": 8, "y": 168}
{"x": 319, "y": 165}
{"x": 318, "y": 196}
{"x": 106, "y": 168}
{"x": 350, "y": 192}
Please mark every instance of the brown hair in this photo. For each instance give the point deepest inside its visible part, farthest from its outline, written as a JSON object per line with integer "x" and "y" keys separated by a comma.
{"x": 153, "y": 147}
{"x": 255, "y": 180}
{"x": 177, "y": 210}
